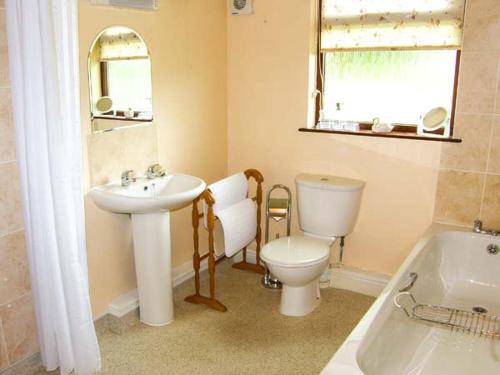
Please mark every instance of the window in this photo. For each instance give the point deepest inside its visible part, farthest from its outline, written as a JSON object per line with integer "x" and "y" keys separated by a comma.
{"x": 397, "y": 86}
{"x": 394, "y": 60}
{"x": 129, "y": 85}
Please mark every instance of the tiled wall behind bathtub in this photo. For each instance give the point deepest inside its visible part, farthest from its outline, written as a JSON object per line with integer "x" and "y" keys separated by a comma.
{"x": 17, "y": 321}
{"x": 469, "y": 178}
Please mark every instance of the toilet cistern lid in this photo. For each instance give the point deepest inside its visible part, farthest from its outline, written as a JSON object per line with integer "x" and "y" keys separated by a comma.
{"x": 295, "y": 251}
{"x": 328, "y": 182}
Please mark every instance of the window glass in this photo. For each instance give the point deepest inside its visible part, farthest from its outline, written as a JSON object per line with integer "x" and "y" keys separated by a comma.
{"x": 396, "y": 86}
{"x": 129, "y": 84}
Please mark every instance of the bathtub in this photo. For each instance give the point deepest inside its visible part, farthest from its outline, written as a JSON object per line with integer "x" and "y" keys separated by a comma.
{"x": 454, "y": 269}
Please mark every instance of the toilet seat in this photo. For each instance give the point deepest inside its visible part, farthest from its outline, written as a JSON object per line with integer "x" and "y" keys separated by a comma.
{"x": 296, "y": 251}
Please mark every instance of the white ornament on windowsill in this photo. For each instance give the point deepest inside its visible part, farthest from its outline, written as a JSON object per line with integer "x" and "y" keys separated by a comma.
{"x": 379, "y": 127}
{"x": 129, "y": 113}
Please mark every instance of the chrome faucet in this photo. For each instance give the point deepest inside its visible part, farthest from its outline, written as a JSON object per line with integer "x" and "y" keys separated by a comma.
{"x": 128, "y": 177}
{"x": 478, "y": 228}
{"x": 154, "y": 171}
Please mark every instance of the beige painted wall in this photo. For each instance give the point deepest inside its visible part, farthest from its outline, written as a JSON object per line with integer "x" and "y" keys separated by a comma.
{"x": 269, "y": 57}
{"x": 469, "y": 178}
{"x": 18, "y": 338}
{"x": 187, "y": 42}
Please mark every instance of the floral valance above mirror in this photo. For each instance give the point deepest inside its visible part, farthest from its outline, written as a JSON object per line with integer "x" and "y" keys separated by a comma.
{"x": 391, "y": 24}
{"x": 119, "y": 43}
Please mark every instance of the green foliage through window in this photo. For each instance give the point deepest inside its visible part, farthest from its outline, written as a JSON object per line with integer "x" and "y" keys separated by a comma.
{"x": 396, "y": 86}
{"x": 129, "y": 84}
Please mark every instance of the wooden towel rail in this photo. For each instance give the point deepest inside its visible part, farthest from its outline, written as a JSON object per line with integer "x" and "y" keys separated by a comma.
{"x": 207, "y": 196}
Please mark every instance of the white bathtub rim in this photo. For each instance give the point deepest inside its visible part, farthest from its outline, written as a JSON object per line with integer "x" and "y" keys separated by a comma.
{"x": 345, "y": 360}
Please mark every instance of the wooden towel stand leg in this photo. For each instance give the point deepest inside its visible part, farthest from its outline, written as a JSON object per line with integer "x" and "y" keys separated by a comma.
{"x": 197, "y": 298}
{"x": 244, "y": 265}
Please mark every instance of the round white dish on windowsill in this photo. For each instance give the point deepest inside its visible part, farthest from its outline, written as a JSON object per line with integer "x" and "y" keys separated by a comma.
{"x": 434, "y": 120}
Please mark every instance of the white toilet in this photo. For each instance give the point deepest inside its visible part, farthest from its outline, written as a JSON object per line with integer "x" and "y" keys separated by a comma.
{"x": 328, "y": 207}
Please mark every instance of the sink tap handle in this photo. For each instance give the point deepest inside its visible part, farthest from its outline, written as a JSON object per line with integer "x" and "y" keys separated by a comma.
{"x": 478, "y": 226}
{"x": 128, "y": 176}
{"x": 155, "y": 170}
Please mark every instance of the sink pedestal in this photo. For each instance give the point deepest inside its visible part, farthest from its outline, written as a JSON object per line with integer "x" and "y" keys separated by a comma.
{"x": 152, "y": 254}
{"x": 149, "y": 202}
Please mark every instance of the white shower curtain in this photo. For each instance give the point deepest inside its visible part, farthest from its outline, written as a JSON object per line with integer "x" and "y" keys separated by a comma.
{"x": 43, "y": 61}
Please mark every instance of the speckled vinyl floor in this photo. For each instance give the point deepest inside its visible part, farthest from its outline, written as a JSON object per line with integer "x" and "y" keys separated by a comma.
{"x": 252, "y": 337}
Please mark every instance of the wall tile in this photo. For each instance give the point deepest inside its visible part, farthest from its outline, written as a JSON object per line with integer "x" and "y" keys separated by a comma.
{"x": 458, "y": 197}
{"x": 494, "y": 160}
{"x": 477, "y": 84}
{"x": 14, "y": 271}
{"x": 4, "y": 59}
{"x": 482, "y": 25}
{"x": 497, "y": 104}
{"x": 7, "y": 133}
{"x": 491, "y": 204}
{"x": 4, "y": 356}
{"x": 10, "y": 199}
{"x": 472, "y": 153}
{"x": 19, "y": 325}
{"x": 111, "y": 153}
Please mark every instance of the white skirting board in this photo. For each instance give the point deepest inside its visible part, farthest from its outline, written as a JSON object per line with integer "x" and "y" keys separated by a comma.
{"x": 359, "y": 281}
{"x": 353, "y": 279}
{"x": 129, "y": 301}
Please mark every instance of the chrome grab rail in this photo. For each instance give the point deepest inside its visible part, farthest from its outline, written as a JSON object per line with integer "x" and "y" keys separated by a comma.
{"x": 275, "y": 209}
{"x": 411, "y": 282}
{"x": 288, "y": 208}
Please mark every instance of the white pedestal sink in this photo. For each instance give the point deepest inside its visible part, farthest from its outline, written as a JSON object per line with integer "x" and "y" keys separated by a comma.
{"x": 149, "y": 202}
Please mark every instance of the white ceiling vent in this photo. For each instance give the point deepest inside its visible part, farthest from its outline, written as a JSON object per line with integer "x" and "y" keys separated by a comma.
{"x": 135, "y": 4}
{"x": 241, "y": 7}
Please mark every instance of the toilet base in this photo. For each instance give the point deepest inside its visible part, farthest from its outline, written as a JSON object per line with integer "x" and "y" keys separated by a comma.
{"x": 301, "y": 300}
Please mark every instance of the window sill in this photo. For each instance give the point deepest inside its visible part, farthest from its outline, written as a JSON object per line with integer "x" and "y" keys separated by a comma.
{"x": 394, "y": 134}
{"x": 122, "y": 118}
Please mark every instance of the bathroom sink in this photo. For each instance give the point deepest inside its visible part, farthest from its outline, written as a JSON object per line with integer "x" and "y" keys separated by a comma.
{"x": 149, "y": 201}
{"x": 148, "y": 195}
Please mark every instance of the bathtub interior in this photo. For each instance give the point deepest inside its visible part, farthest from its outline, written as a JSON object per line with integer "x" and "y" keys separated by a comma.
{"x": 454, "y": 270}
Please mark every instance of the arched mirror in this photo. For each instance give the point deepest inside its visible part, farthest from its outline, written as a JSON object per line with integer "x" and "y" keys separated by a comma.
{"x": 119, "y": 80}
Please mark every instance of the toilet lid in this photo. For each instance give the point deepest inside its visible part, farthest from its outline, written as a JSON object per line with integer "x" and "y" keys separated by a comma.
{"x": 295, "y": 251}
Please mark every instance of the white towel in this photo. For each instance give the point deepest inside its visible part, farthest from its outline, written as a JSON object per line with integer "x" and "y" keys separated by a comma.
{"x": 239, "y": 223}
{"x": 226, "y": 192}
{"x": 237, "y": 214}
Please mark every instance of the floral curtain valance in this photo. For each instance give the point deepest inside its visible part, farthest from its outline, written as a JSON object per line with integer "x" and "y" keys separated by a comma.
{"x": 391, "y": 24}
{"x": 120, "y": 44}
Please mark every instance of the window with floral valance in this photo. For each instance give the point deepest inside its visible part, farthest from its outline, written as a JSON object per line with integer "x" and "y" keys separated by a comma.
{"x": 390, "y": 59}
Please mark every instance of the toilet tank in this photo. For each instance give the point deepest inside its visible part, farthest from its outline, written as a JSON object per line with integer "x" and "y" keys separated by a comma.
{"x": 328, "y": 206}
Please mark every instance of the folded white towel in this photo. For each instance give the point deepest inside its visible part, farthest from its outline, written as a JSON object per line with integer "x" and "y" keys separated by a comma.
{"x": 237, "y": 214}
{"x": 230, "y": 190}
{"x": 239, "y": 223}
{"x": 226, "y": 192}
